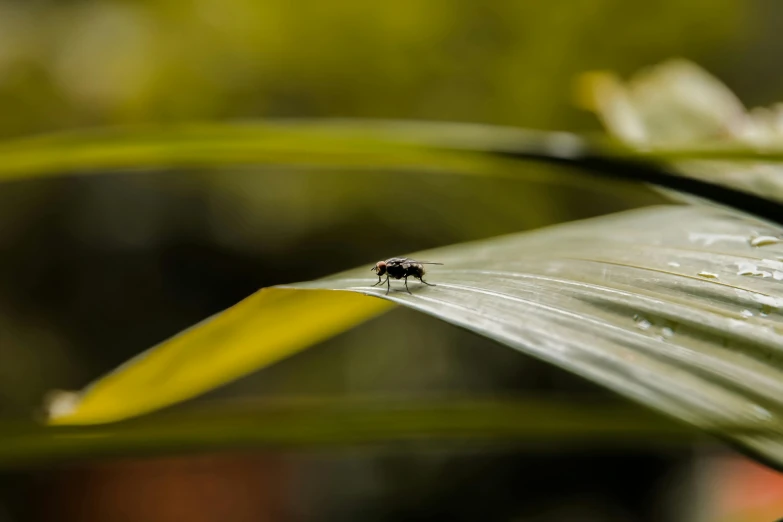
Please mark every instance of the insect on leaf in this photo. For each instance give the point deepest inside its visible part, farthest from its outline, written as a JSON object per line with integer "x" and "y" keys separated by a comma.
{"x": 671, "y": 306}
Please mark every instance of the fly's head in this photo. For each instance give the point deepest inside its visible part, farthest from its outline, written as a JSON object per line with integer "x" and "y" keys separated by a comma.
{"x": 379, "y": 268}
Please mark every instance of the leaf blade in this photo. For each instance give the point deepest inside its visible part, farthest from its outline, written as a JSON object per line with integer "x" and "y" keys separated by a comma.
{"x": 594, "y": 298}
{"x": 617, "y": 299}
{"x": 219, "y": 350}
{"x": 466, "y": 149}
{"x": 329, "y": 423}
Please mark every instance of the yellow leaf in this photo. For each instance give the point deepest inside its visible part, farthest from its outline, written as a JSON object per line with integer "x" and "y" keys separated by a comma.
{"x": 260, "y": 330}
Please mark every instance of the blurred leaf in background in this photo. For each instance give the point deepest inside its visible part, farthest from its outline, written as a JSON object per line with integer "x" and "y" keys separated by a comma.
{"x": 678, "y": 103}
{"x": 76, "y": 63}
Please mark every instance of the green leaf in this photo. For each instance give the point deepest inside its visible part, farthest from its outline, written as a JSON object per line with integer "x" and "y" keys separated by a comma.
{"x": 378, "y": 144}
{"x": 672, "y": 306}
{"x": 344, "y": 422}
{"x": 467, "y": 149}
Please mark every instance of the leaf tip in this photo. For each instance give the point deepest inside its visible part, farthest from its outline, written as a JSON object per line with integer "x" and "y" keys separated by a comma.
{"x": 59, "y": 405}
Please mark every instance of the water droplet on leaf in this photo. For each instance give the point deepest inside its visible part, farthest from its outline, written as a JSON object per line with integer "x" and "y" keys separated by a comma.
{"x": 750, "y": 269}
{"x": 760, "y": 241}
{"x": 761, "y": 413}
{"x": 641, "y": 322}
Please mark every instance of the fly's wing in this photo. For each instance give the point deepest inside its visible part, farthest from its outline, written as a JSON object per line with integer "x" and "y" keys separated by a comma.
{"x": 422, "y": 262}
{"x": 407, "y": 260}
{"x": 397, "y": 261}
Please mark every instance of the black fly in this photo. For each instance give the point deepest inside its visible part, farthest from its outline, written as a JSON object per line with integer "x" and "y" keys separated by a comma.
{"x": 400, "y": 268}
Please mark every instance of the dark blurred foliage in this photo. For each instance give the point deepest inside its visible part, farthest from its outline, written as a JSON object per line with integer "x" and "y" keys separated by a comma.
{"x": 95, "y": 269}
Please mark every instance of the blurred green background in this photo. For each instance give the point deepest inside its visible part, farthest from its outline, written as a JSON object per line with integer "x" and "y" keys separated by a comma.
{"x": 95, "y": 269}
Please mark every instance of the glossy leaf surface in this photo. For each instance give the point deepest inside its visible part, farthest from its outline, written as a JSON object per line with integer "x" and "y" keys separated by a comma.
{"x": 676, "y": 307}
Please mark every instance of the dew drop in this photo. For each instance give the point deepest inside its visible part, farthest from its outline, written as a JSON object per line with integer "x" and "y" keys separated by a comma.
{"x": 768, "y": 301}
{"x": 641, "y": 322}
{"x": 667, "y": 332}
{"x": 746, "y": 313}
{"x": 673, "y": 263}
{"x": 760, "y": 241}
{"x": 750, "y": 269}
{"x": 708, "y": 275}
{"x": 761, "y": 413}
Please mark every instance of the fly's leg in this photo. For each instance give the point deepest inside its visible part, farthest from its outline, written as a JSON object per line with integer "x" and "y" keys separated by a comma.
{"x": 388, "y": 285}
{"x": 406, "y": 285}
{"x": 380, "y": 280}
{"x": 426, "y": 283}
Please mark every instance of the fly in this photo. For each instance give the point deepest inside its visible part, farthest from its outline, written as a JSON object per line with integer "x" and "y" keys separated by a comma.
{"x": 400, "y": 268}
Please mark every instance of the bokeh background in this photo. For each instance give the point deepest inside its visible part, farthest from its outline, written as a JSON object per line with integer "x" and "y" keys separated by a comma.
{"x": 94, "y": 269}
